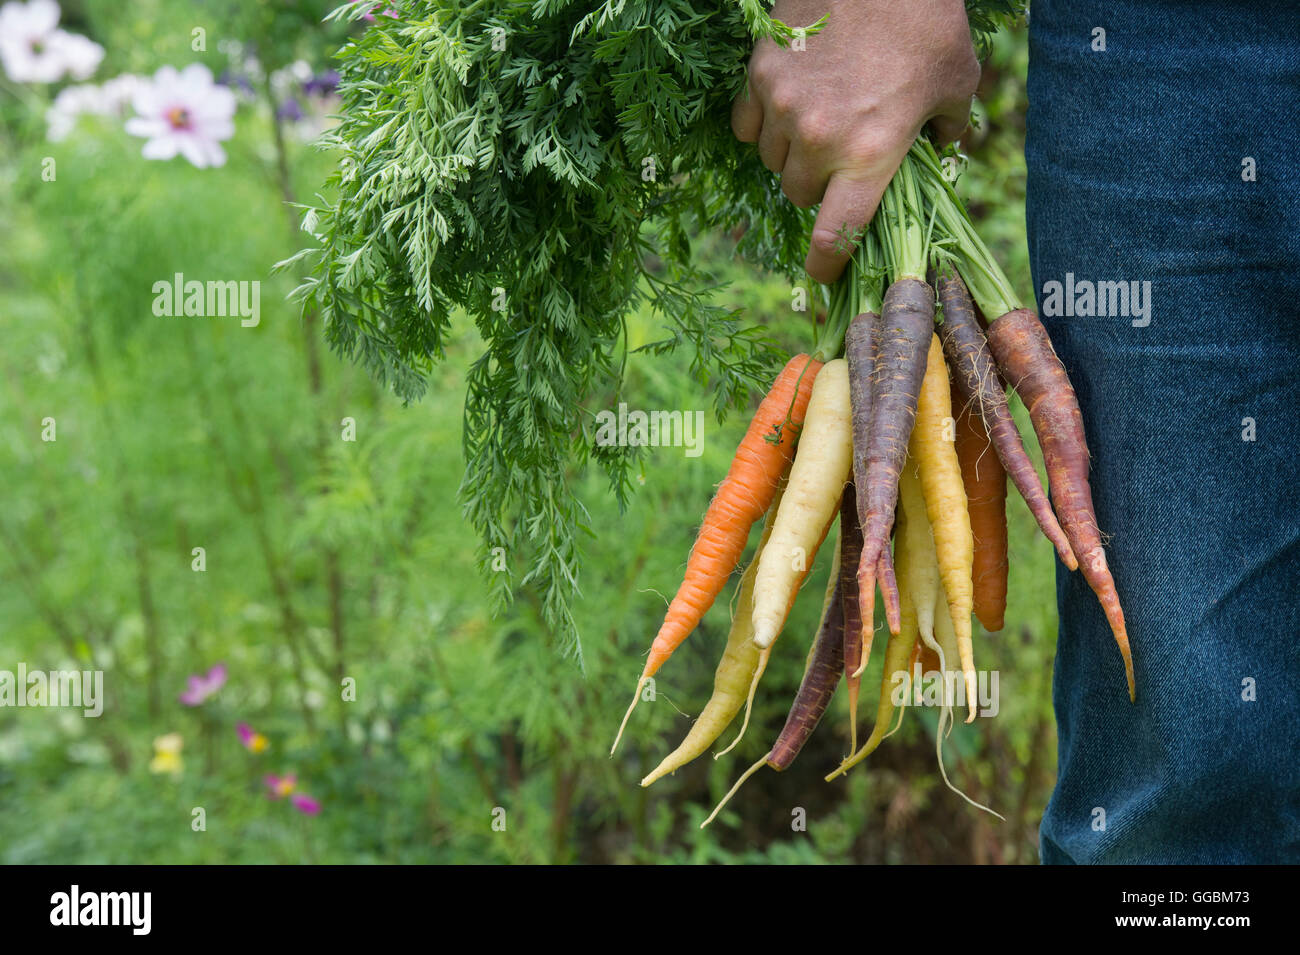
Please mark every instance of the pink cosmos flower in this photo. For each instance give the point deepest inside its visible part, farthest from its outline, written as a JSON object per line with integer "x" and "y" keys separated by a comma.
{"x": 305, "y": 804}
{"x": 280, "y": 786}
{"x": 253, "y": 741}
{"x": 81, "y": 55}
{"x": 184, "y": 112}
{"x": 200, "y": 686}
{"x": 388, "y": 11}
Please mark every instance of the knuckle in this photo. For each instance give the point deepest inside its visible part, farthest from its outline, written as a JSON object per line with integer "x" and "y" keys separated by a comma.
{"x": 781, "y": 99}
{"x": 761, "y": 71}
{"x": 816, "y": 129}
{"x": 742, "y": 126}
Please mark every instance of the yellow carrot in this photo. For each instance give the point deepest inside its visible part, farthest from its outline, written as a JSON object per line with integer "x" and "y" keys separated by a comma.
{"x": 921, "y": 574}
{"x": 932, "y": 448}
{"x": 945, "y": 646}
{"x": 822, "y": 672}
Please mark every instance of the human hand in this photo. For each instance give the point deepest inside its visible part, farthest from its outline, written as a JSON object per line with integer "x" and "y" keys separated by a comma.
{"x": 836, "y": 119}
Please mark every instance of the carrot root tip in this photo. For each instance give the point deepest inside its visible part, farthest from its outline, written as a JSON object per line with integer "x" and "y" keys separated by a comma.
{"x": 636, "y": 698}
{"x": 734, "y": 789}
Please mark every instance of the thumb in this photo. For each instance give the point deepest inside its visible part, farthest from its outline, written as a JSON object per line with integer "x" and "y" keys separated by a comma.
{"x": 847, "y": 206}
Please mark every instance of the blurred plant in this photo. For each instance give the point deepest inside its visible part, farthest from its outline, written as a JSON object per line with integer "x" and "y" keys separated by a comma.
{"x": 201, "y": 686}
{"x": 33, "y": 50}
{"x": 167, "y": 755}
{"x": 306, "y": 98}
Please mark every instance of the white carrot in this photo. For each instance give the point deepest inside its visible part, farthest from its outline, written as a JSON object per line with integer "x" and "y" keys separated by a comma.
{"x": 812, "y": 498}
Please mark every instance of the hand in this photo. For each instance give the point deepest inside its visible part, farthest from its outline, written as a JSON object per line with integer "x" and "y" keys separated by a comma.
{"x": 836, "y": 119}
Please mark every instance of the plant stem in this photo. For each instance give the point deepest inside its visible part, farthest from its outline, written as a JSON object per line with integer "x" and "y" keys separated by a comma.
{"x": 838, "y": 315}
{"x": 871, "y": 275}
{"x": 988, "y": 285}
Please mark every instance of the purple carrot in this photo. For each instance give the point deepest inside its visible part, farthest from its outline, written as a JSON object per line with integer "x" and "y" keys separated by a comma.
{"x": 906, "y": 324}
{"x": 857, "y": 642}
{"x": 976, "y": 376}
{"x": 861, "y": 350}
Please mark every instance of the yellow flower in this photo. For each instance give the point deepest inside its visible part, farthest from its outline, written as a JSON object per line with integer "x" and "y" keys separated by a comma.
{"x": 167, "y": 754}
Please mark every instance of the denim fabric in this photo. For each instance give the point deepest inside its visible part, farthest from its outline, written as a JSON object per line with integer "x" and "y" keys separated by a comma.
{"x": 1135, "y": 173}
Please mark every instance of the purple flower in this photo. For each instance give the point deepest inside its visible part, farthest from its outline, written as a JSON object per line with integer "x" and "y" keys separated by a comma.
{"x": 201, "y": 686}
{"x": 289, "y": 111}
{"x": 305, "y": 804}
{"x": 236, "y": 80}
{"x": 322, "y": 84}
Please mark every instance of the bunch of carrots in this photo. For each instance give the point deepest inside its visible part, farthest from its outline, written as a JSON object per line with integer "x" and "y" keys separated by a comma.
{"x": 897, "y": 425}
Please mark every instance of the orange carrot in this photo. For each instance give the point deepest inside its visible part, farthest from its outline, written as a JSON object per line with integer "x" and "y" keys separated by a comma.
{"x": 742, "y": 498}
{"x": 923, "y": 655}
{"x": 986, "y": 496}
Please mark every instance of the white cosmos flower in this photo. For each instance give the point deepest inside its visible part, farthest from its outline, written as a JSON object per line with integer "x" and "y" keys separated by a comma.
{"x": 34, "y": 51}
{"x": 111, "y": 99}
{"x": 184, "y": 112}
{"x": 81, "y": 55}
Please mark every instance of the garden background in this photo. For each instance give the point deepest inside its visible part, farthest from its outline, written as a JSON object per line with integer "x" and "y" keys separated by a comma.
{"x": 336, "y": 568}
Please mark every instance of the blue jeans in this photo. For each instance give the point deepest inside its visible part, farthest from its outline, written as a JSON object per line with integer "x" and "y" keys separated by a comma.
{"x": 1138, "y": 161}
